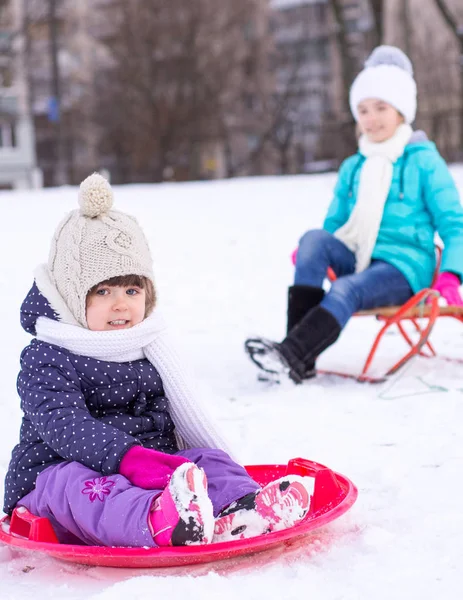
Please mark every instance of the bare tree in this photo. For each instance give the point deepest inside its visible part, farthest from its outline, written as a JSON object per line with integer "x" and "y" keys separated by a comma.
{"x": 50, "y": 91}
{"x": 349, "y": 69}
{"x": 289, "y": 114}
{"x": 176, "y": 74}
{"x": 456, "y": 28}
{"x": 376, "y": 7}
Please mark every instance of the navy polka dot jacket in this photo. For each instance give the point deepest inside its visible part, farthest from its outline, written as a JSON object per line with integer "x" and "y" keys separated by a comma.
{"x": 82, "y": 409}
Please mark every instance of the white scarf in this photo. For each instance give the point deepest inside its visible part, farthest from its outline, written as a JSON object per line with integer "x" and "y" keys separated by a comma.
{"x": 150, "y": 340}
{"x": 360, "y": 232}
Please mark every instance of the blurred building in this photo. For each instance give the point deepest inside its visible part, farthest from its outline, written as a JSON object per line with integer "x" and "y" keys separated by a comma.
{"x": 307, "y": 62}
{"x": 302, "y": 61}
{"x": 17, "y": 145}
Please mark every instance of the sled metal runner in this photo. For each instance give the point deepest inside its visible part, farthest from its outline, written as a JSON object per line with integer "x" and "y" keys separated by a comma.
{"x": 333, "y": 495}
{"x": 360, "y": 378}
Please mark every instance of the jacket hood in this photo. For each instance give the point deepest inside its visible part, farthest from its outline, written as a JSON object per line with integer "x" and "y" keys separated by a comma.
{"x": 418, "y": 136}
{"x": 44, "y": 300}
{"x": 35, "y": 305}
{"x": 420, "y": 141}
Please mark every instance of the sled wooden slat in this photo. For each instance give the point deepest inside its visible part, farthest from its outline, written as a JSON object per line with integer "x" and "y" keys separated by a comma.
{"x": 417, "y": 312}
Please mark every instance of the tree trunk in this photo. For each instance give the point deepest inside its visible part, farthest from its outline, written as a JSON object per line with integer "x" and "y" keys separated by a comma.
{"x": 457, "y": 31}
{"x": 377, "y": 12}
{"x": 348, "y": 68}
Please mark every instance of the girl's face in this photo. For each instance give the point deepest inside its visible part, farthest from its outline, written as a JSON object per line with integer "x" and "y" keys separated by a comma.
{"x": 378, "y": 120}
{"x": 112, "y": 307}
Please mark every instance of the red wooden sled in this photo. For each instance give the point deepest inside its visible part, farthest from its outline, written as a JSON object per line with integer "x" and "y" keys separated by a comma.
{"x": 333, "y": 495}
{"x": 422, "y": 311}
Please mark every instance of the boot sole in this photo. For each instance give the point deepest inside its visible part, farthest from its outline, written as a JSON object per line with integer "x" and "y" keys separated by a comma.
{"x": 260, "y": 347}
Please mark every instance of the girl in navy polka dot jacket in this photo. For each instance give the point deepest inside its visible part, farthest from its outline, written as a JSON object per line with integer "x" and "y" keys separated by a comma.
{"x": 115, "y": 448}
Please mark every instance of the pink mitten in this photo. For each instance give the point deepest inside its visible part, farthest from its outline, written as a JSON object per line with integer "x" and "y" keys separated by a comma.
{"x": 447, "y": 285}
{"x": 149, "y": 469}
{"x": 294, "y": 256}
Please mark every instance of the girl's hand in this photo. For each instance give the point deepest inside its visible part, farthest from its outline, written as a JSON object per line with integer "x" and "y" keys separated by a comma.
{"x": 447, "y": 284}
{"x": 294, "y": 256}
{"x": 149, "y": 469}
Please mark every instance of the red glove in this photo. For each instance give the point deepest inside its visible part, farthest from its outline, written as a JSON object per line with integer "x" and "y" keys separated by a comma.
{"x": 447, "y": 285}
{"x": 149, "y": 469}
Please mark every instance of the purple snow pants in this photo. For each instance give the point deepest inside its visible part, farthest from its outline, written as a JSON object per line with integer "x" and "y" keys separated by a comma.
{"x": 85, "y": 507}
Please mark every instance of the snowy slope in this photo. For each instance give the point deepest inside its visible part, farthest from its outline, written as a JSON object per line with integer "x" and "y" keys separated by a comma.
{"x": 221, "y": 252}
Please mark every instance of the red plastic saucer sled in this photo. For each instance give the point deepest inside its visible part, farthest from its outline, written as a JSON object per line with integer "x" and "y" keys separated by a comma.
{"x": 333, "y": 495}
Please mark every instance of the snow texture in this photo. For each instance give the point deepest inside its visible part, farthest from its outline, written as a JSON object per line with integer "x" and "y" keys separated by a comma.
{"x": 222, "y": 265}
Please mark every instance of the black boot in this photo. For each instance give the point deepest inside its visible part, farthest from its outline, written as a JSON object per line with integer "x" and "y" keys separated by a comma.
{"x": 298, "y": 351}
{"x": 317, "y": 330}
{"x": 301, "y": 299}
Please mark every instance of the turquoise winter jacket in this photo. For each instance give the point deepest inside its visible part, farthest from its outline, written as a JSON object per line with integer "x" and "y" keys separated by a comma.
{"x": 423, "y": 199}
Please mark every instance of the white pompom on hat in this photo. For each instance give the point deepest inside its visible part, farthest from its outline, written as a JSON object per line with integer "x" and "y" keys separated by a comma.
{"x": 95, "y": 196}
{"x": 387, "y": 76}
{"x": 93, "y": 244}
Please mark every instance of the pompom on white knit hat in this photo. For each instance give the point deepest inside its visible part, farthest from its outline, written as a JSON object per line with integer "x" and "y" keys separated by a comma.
{"x": 388, "y": 76}
{"x": 93, "y": 244}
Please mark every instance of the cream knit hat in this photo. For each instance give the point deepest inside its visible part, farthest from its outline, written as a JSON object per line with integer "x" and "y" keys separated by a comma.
{"x": 93, "y": 244}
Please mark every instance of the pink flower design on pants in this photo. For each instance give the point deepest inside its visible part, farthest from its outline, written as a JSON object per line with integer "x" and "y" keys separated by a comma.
{"x": 98, "y": 488}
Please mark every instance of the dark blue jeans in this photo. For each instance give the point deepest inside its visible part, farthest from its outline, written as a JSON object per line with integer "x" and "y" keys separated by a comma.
{"x": 380, "y": 284}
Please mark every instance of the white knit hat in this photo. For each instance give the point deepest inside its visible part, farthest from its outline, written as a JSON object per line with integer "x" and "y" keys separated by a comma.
{"x": 94, "y": 244}
{"x": 388, "y": 76}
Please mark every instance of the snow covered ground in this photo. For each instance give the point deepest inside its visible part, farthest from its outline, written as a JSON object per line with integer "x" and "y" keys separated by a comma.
{"x": 221, "y": 254}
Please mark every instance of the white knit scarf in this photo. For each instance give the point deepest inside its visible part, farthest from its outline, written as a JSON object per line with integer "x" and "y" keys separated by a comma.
{"x": 360, "y": 232}
{"x": 150, "y": 340}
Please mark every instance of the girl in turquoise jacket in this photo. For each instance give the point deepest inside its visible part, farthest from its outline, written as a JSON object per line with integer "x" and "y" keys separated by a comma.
{"x": 390, "y": 199}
